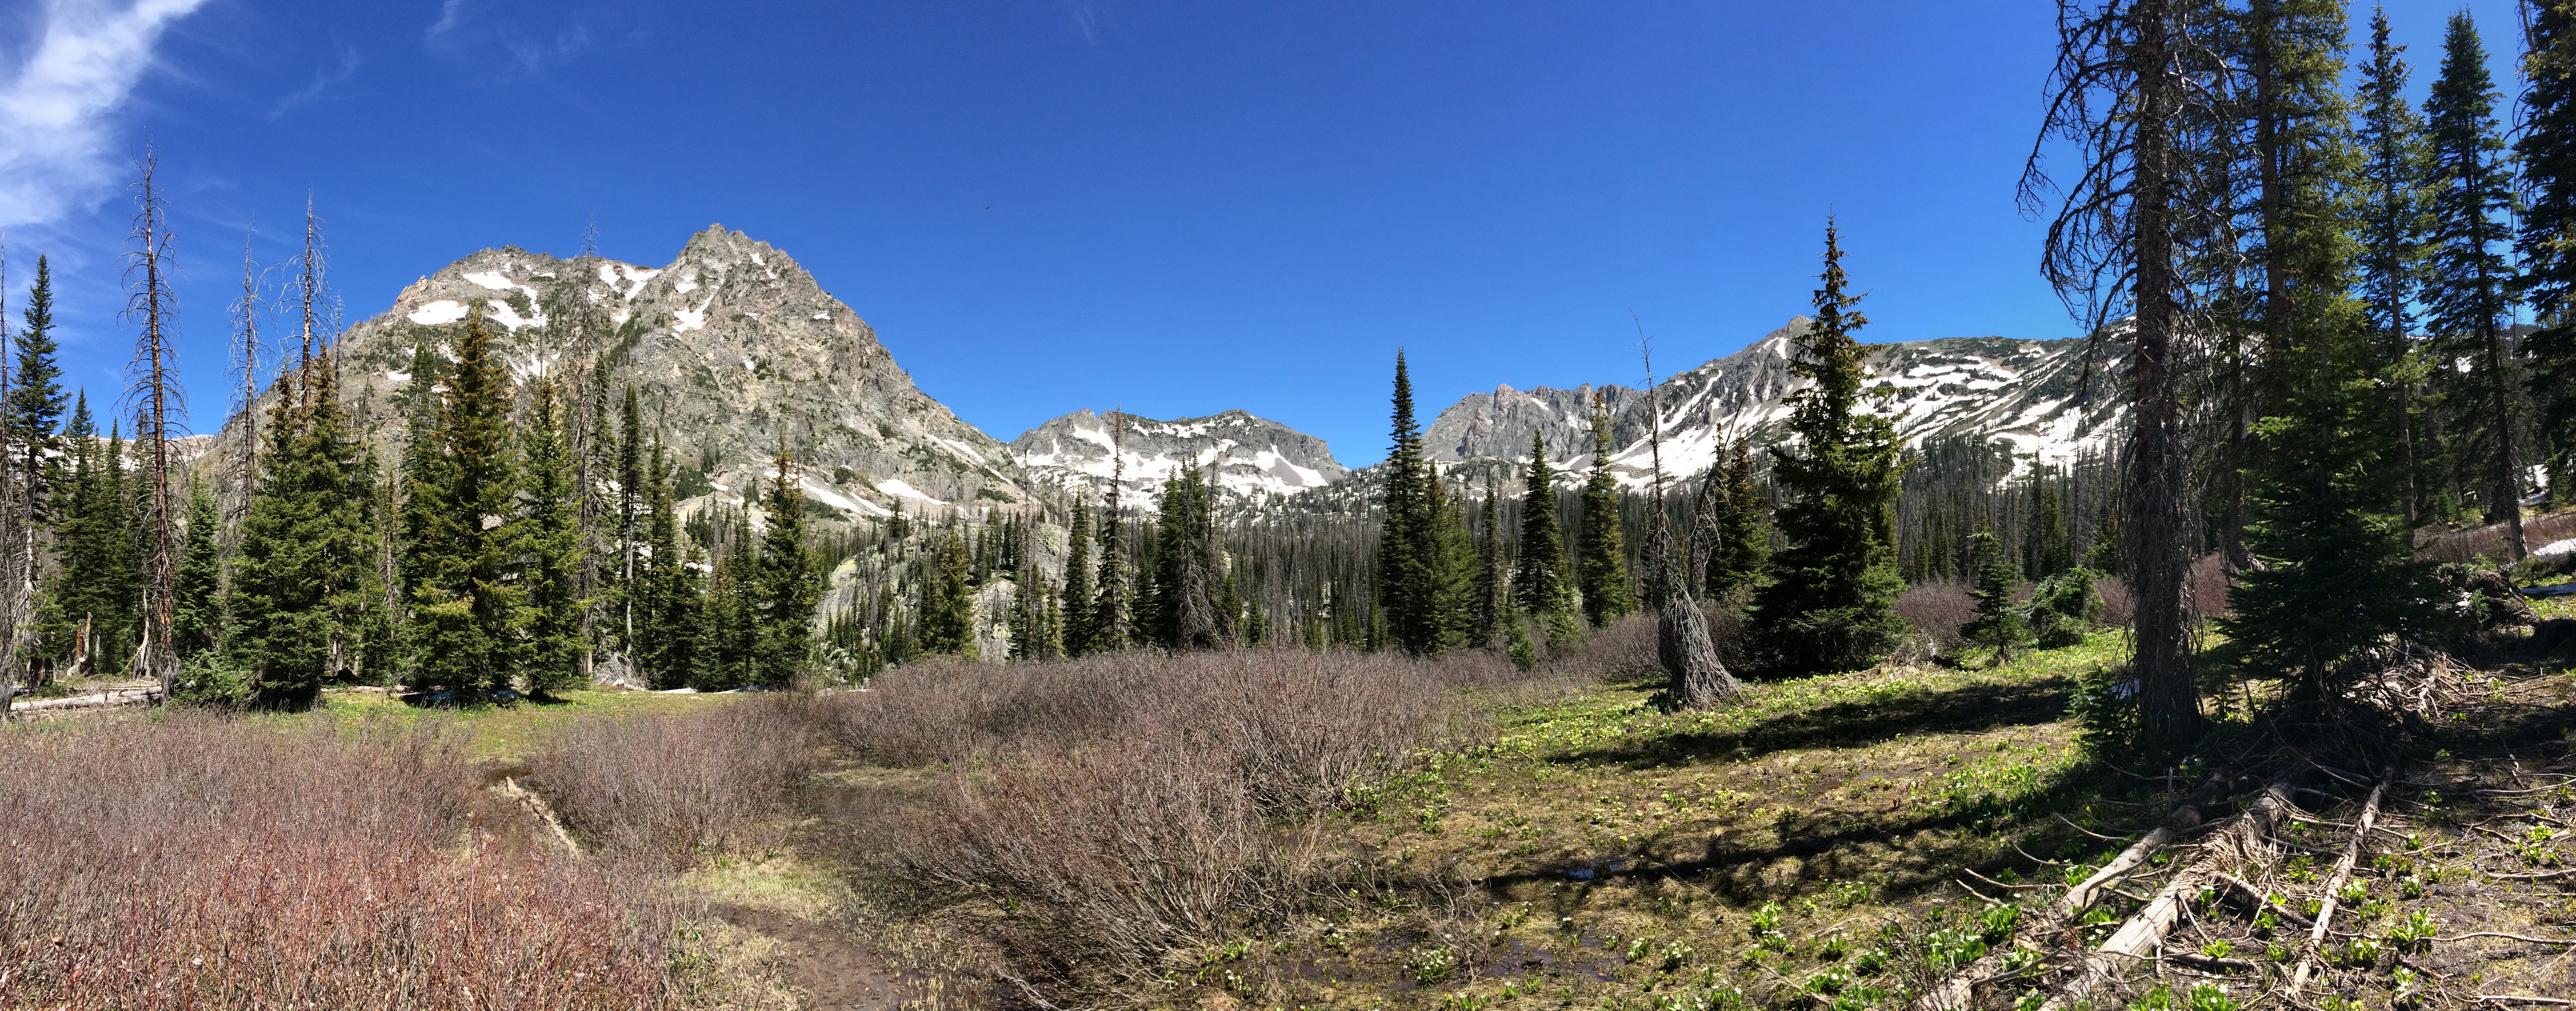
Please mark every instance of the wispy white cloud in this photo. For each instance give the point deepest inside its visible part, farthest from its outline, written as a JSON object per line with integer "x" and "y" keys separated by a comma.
{"x": 56, "y": 106}
{"x": 323, "y": 79}
{"x": 448, "y": 14}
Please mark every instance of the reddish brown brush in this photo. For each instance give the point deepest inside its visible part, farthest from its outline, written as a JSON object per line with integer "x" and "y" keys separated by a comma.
{"x": 2488, "y": 541}
{"x": 1138, "y": 802}
{"x": 672, "y": 789}
{"x": 1937, "y": 609}
{"x": 195, "y": 863}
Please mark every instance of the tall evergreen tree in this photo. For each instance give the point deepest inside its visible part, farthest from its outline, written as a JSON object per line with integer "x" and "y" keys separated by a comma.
{"x": 2390, "y": 196}
{"x": 788, "y": 587}
{"x": 1997, "y": 624}
{"x": 1493, "y": 600}
{"x": 1542, "y": 581}
{"x": 1831, "y": 602}
{"x": 669, "y": 637}
{"x": 1601, "y": 554}
{"x": 947, "y": 604}
{"x": 33, "y": 413}
{"x": 728, "y": 634}
{"x": 2467, "y": 290}
{"x": 1110, "y": 617}
{"x": 2045, "y": 548}
{"x": 307, "y": 555}
{"x": 1186, "y": 613}
{"x": 1076, "y": 619}
{"x": 2338, "y": 573}
{"x": 2547, "y": 243}
{"x": 550, "y": 572}
{"x": 199, "y": 615}
{"x": 467, "y": 613}
{"x": 1744, "y": 535}
{"x": 1411, "y": 560}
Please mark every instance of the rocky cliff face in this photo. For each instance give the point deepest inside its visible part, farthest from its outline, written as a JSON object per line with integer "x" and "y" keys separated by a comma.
{"x": 1247, "y": 459}
{"x": 730, "y": 346}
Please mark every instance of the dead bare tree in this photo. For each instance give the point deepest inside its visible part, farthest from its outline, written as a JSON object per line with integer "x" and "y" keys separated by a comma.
{"x": 306, "y": 293}
{"x": 10, "y": 521}
{"x": 245, "y": 412}
{"x": 2131, "y": 91}
{"x": 152, "y": 391}
{"x": 1699, "y": 679}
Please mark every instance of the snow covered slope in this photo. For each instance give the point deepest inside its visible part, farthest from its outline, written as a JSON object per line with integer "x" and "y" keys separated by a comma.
{"x": 1246, "y": 458}
{"x": 2024, "y": 392}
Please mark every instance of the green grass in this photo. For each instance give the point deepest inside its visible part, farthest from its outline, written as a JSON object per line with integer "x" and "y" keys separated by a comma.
{"x": 1603, "y": 853}
{"x": 510, "y": 732}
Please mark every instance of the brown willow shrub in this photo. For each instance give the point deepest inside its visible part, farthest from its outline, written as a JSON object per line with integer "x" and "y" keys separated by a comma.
{"x": 1138, "y": 802}
{"x": 2119, "y": 606}
{"x": 191, "y": 862}
{"x": 673, "y": 788}
{"x": 2489, "y": 541}
{"x": 1937, "y": 609}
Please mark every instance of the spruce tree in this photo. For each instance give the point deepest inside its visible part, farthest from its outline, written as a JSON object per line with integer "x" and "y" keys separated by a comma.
{"x": 2338, "y": 573}
{"x": 1831, "y": 602}
{"x": 2390, "y": 203}
{"x": 1601, "y": 562}
{"x": 728, "y": 632}
{"x": 667, "y": 606}
{"x": 2045, "y": 549}
{"x": 947, "y": 605}
{"x": 198, "y": 614}
{"x": 550, "y": 571}
{"x": 1997, "y": 625}
{"x": 33, "y": 412}
{"x": 1111, "y": 619}
{"x": 1076, "y": 620}
{"x": 1541, "y": 577}
{"x": 307, "y": 557}
{"x": 1411, "y": 560}
{"x": 467, "y": 612}
{"x": 1493, "y": 600}
{"x": 2467, "y": 286}
{"x": 2546, "y": 151}
{"x": 788, "y": 588}
{"x": 1744, "y": 535}
{"x": 1186, "y": 613}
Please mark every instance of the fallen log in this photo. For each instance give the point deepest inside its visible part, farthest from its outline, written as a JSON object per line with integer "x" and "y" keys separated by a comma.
{"x": 111, "y": 697}
{"x": 2334, "y": 885}
{"x": 2185, "y": 817}
{"x": 2138, "y": 938}
{"x": 1957, "y": 992}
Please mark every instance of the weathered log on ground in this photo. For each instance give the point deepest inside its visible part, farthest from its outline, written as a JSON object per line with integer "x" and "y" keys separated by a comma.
{"x": 111, "y": 697}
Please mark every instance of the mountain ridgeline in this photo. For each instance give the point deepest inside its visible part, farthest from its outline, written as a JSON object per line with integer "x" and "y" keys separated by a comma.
{"x": 732, "y": 345}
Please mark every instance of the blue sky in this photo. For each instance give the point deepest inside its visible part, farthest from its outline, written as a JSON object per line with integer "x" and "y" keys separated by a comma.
{"x": 1045, "y": 205}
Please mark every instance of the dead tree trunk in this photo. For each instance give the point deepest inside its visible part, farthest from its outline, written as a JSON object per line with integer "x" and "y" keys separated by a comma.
{"x": 153, "y": 391}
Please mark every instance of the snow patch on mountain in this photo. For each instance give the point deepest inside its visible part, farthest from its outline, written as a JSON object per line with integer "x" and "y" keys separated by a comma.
{"x": 1245, "y": 458}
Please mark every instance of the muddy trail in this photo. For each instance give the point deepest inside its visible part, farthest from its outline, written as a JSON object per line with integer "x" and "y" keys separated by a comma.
{"x": 829, "y": 972}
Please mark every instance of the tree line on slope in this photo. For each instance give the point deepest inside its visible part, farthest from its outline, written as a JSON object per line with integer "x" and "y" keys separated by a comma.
{"x": 521, "y": 541}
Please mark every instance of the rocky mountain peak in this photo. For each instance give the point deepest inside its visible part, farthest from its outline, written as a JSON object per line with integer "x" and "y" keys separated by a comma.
{"x": 730, "y": 346}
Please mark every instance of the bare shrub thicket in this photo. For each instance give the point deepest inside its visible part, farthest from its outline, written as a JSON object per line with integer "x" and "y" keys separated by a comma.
{"x": 1139, "y": 802}
{"x": 1937, "y": 609}
{"x": 190, "y": 862}
{"x": 2489, "y": 541}
{"x": 671, "y": 789}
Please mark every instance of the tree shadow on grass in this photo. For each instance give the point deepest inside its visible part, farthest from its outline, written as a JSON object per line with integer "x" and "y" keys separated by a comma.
{"x": 1854, "y": 724}
{"x": 1838, "y": 845}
